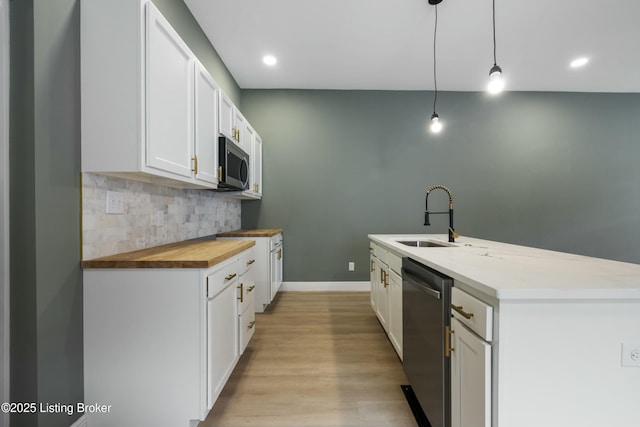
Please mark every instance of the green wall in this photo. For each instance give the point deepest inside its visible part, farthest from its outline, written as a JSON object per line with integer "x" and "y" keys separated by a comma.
{"x": 46, "y": 287}
{"x": 550, "y": 170}
{"x": 46, "y": 279}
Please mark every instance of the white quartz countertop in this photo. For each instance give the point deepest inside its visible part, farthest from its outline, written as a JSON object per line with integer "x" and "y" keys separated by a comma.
{"x": 512, "y": 272}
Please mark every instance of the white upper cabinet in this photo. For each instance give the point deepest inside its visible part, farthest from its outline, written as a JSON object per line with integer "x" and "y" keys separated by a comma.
{"x": 256, "y": 165}
{"x": 232, "y": 122}
{"x": 147, "y": 109}
{"x": 206, "y": 126}
{"x": 170, "y": 104}
{"x": 247, "y": 135}
{"x": 240, "y": 125}
{"x": 226, "y": 117}
{"x": 150, "y": 110}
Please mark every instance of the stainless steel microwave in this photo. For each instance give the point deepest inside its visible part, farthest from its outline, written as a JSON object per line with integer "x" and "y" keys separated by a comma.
{"x": 233, "y": 166}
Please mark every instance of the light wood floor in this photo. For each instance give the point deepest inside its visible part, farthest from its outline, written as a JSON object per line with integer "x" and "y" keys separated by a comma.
{"x": 316, "y": 359}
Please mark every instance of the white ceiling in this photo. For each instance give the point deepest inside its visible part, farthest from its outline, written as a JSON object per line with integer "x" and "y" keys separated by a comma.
{"x": 388, "y": 44}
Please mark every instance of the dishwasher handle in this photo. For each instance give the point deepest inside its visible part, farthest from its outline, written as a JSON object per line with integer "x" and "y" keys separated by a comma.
{"x": 418, "y": 283}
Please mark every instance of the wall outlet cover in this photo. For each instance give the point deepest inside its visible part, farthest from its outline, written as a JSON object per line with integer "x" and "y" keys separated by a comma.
{"x": 631, "y": 354}
{"x": 115, "y": 202}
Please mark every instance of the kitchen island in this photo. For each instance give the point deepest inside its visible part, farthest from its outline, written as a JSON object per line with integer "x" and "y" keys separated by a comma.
{"x": 561, "y": 331}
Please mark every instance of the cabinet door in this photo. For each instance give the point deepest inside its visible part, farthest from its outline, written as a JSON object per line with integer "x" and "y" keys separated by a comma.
{"x": 395, "y": 311}
{"x": 247, "y": 135}
{"x": 206, "y": 126}
{"x": 374, "y": 282}
{"x": 256, "y": 165}
{"x": 222, "y": 334}
{"x": 382, "y": 308}
{"x": 273, "y": 274}
{"x": 169, "y": 91}
{"x": 239, "y": 124}
{"x": 225, "y": 121}
{"x": 470, "y": 378}
{"x": 280, "y": 266}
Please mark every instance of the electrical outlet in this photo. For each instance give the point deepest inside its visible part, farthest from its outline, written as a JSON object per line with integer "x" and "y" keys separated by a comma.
{"x": 352, "y": 266}
{"x": 630, "y": 354}
{"x": 115, "y": 202}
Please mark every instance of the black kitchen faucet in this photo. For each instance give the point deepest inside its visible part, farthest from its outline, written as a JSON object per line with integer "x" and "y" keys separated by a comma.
{"x": 452, "y": 232}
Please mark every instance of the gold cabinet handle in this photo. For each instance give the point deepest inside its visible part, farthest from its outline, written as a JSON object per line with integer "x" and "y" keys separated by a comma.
{"x": 252, "y": 324}
{"x": 220, "y": 173}
{"x": 279, "y": 253}
{"x": 383, "y": 277}
{"x": 250, "y": 288}
{"x": 251, "y": 261}
{"x": 195, "y": 165}
{"x": 373, "y": 267}
{"x": 241, "y": 293}
{"x": 231, "y": 276}
{"x": 463, "y": 313}
{"x": 447, "y": 341}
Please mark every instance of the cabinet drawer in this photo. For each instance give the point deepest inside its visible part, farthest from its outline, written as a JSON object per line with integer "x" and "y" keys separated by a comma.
{"x": 222, "y": 277}
{"x": 380, "y": 253}
{"x": 394, "y": 262}
{"x": 246, "y": 293}
{"x": 469, "y": 310}
{"x": 247, "y": 322}
{"x": 247, "y": 260}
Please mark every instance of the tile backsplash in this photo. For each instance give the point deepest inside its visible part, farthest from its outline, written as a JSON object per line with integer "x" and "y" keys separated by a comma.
{"x": 187, "y": 214}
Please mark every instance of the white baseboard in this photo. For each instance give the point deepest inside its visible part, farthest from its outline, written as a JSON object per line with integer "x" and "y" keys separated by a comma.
{"x": 81, "y": 422}
{"x": 325, "y": 286}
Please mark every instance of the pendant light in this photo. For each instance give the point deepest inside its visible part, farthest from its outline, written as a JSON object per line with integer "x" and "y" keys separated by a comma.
{"x": 436, "y": 124}
{"x": 496, "y": 82}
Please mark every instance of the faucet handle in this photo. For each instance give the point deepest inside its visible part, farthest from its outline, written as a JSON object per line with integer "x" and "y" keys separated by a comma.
{"x": 453, "y": 233}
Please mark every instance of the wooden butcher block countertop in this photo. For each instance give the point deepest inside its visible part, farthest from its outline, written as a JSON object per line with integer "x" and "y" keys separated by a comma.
{"x": 258, "y": 232}
{"x": 187, "y": 254}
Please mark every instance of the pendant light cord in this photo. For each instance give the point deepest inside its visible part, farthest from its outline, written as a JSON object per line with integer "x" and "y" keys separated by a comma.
{"x": 435, "y": 81}
{"x": 494, "y": 33}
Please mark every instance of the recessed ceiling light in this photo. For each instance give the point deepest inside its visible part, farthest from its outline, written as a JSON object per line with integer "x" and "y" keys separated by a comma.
{"x": 579, "y": 62}
{"x": 269, "y": 60}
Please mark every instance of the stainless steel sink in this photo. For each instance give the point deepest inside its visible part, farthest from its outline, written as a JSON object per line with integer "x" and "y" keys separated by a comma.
{"x": 424, "y": 244}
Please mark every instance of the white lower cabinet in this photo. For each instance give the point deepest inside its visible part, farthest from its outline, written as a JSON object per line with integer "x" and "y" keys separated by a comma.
{"x": 267, "y": 269}
{"x": 222, "y": 329}
{"x": 246, "y": 300}
{"x": 386, "y": 292}
{"x": 470, "y": 378}
{"x": 373, "y": 296}
{"x": 275, "y": 266}
{"x": 160, "y": 343}
{"x": 395, "y": 311}
{"x": 471, "y": 329}
{"x": 382, "y": 308}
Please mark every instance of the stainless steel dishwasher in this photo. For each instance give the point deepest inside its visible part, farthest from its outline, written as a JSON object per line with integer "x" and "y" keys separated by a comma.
{"x": 426, "y": 321}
